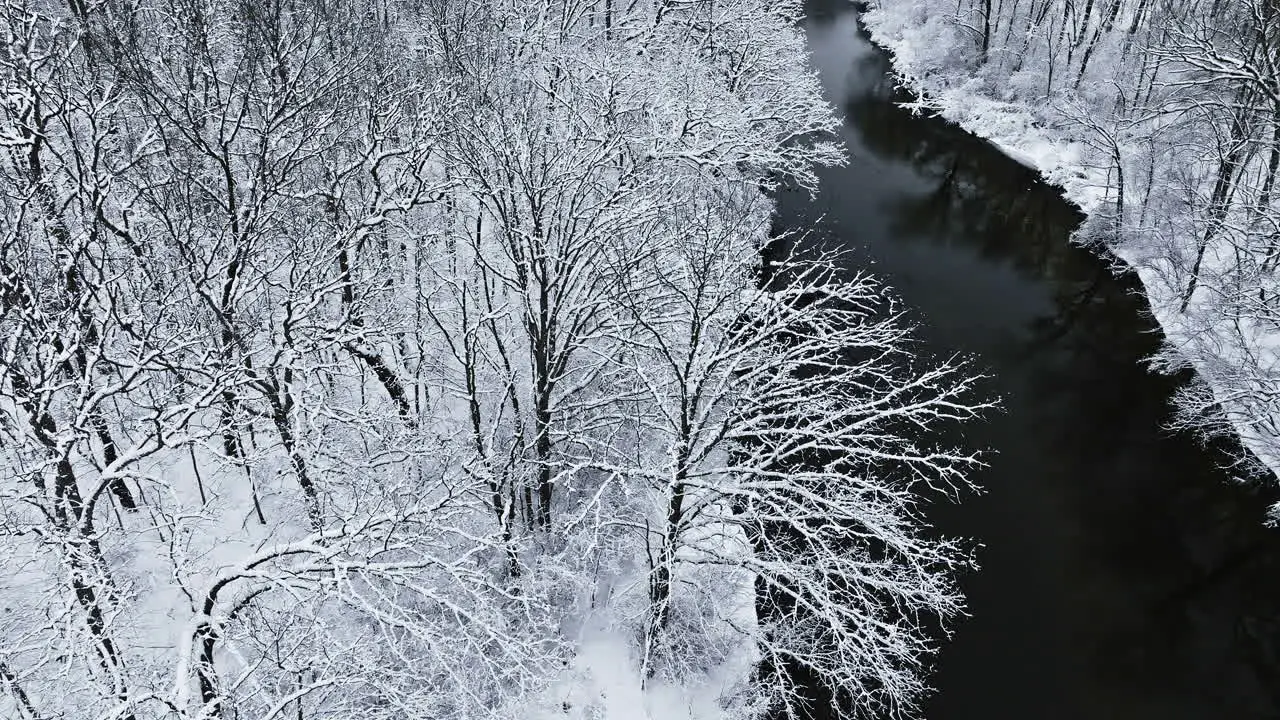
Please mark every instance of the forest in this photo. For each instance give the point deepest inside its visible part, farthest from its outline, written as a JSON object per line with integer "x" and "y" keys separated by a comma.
{"x": 1161, "y": 119}
{"x": 434, "y": 358}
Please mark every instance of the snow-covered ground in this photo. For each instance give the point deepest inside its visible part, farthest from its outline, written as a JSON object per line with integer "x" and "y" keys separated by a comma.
{"x": 1236, "y": 357}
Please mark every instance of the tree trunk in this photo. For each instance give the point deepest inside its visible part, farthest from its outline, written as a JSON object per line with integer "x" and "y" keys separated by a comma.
{"x": 1219, "y": 203}
{"x": 986, "y": 29}
{"x": 660, "y": 574}
{"x": 389, "y": 379}
{"x": 280, "y": 411}
{"x": 73, "y": 523}
{"x": 1104, "y": 27}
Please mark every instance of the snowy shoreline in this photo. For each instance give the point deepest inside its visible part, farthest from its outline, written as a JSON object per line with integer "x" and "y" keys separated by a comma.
{"x": 1070, "y": 163}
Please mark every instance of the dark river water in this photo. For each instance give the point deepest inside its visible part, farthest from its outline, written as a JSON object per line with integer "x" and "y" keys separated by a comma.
{"x": 1123, "y": 575}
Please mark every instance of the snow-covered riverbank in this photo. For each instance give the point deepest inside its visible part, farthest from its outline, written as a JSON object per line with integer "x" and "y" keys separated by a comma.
{"x": 1077, "y": 140}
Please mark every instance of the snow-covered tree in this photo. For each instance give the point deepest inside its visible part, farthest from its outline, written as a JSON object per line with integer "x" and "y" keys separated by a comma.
{"x": 782, "y": 518}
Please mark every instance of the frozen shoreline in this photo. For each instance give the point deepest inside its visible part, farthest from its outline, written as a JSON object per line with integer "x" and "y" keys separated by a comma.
{"x": 1234, "y": 363}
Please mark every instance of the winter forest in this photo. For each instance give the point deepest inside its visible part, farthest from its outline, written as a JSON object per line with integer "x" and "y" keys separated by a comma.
{"x": 381, "y": 359}
{"x": 398, "y": 359}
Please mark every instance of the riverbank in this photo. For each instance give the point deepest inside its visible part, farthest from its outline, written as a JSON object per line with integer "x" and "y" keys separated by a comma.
{"x": 1071, "y": 142}
{"x": 1119, "y": 563}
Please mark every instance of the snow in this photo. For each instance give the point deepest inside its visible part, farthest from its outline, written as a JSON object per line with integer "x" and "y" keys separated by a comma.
{"x": 605, "y": 683}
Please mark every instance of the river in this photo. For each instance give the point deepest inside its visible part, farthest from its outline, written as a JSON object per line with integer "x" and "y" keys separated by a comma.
{"x": 1123, "y": 573}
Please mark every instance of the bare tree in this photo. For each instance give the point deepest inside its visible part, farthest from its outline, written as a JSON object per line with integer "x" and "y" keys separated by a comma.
{"x": 810, "y": 498}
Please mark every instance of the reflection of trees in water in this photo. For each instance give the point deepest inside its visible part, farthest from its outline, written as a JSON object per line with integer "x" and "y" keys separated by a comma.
{"x": 825, "y": 11}
{"x": 1209, "y": 568}
{"x": 981, "y": 198}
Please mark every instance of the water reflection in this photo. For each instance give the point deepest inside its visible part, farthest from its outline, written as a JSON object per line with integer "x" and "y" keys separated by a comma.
{"x": 1123, "y": 576}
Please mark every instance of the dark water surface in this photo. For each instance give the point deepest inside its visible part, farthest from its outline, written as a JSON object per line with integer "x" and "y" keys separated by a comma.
{"x": 1123, "y": 575}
